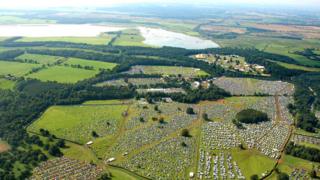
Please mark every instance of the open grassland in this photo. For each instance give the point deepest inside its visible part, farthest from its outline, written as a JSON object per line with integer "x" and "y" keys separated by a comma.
{"x": 76, "y": 123}
{"x": 289, "y": 163}
{"x": 6, "y": 84}
{"x": 42, "y": 59}
{"x": 4, "y": 146}
{"x": 16, "y": 68}
{"x": 63, "y": 74}
{"x": 297, "y": 67}
{"x": 252, "y": 162}
{"x": 281, "y": 46}
{"x": 168, "y": 70}
{"x": 120, "y": 174}
{"x": 97, "y": 65}
{"x": 100, "y": 40}
{"x": 82, "y": 153}
{"x": 130, "y": 37}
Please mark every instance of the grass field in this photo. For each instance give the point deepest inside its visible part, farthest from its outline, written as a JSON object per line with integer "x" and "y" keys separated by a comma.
{"x": 6, "y": 84}
{"x": 252, "y": 162}
{"x": 79, "y": 152}
{"x": 100, "y": 40}
{"x": 42, "y": 59}
{"x": 63, "y": 74}
{"x": 297, "y": 67}
{"x": 289, "y": 163}
{"x": 281, "y": 46}
{"x": 130, "y": 37}
{"x": 16, "y": 68}
{"x": 104, "y": 102}
{"x": 95, "y": 64}
{"x": 76, "y": 123}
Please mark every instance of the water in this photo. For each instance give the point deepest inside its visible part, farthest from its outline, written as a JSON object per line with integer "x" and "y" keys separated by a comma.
{"x": 153, "y": 37}
{"x": 55, "y": 30}
{"x": 160, "y": 38}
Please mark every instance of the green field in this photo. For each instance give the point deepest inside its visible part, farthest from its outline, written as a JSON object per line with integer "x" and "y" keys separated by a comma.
{"x": 95, "y": 64}
{"x": 289, "y": 163}
{"x": 252, "y": 162}
{"x": 16, "y": 68}
{"x": 281, "y": 46}
{"x": 297, "y": 67}
{"x": 6, "y": 84}
{"x": 42, "y": 59}
{"x": 63, "y": 74}
{"x": 100, "y": 40}
{"x": 130, "y": 37}
{"x": 76, "y": 123}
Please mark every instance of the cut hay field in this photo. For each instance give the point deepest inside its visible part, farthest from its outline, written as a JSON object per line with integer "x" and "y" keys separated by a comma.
{"x": 100, "y": 40}
{"x": 97, "y": 65}
{"x": 168, "y": 70}
{"x": 6, "y": 84}
{"x": 130, "y": 37}
{"x": 42, "y": 59}
{"x": 16, "y": 68}
{"x": 76, "y": 123}
{"x": 63, "y": 74}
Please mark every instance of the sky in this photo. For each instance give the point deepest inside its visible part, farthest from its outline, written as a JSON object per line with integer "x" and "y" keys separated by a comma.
{"x": 20, "y": 4}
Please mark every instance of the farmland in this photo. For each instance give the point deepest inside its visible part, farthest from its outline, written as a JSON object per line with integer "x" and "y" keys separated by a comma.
{"x": 63, "y": 74}
{"x": 130, "y": 37}
{"x": 15, "y": 68}
{"x": 96, "y": 65}
{"x": 101, "y": 40}
{"x": 6, "y": 84}
{"x": 79, "y": 107}
{"x": 42, "y": 59}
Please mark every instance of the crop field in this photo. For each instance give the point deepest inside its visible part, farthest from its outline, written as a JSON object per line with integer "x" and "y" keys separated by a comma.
{"x": 15, "y": 68}
{"x": 100, "y": 40}
{"x": 247, "y": 86}
{"x": 63, "y": 74}
{"x": 130, "y": 37}
{"x": 6, "y": 84}
{"x": 42, "y": 59}
{"x": 97, "y": 65}
{"x": 168, "y": 70}
{"x": 76, "y": 123}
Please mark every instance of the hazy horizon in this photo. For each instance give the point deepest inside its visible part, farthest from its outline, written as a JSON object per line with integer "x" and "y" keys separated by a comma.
{"x": 40, "y": 4}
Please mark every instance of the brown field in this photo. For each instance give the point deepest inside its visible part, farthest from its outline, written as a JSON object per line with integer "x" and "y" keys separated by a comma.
{"x": 225, "y": 29}
{"x": 4, "y": 147}
{"x": 305, "y": 31}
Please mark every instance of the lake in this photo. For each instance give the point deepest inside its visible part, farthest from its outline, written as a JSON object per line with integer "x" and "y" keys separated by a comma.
{"x": 153, "y": 36}
{"x": 160, "y": 38}
{"x": 55, "y": 30}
